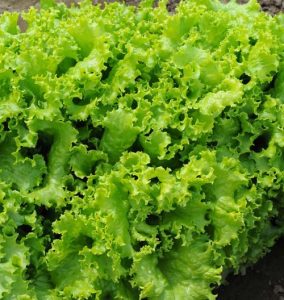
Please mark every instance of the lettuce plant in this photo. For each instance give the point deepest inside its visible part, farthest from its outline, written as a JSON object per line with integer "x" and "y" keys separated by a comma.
{"x": 141, "y": 152}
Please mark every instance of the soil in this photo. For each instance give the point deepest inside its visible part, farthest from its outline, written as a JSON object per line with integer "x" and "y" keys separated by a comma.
{"x": 263, "y": 281}
{"x": 271, "y": 6}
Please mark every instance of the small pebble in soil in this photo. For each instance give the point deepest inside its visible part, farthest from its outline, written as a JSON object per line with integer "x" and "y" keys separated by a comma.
{"x": 278, "y": 289}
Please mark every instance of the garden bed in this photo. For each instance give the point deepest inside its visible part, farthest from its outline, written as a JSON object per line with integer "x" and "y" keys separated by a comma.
{"x": 271, "y": 6}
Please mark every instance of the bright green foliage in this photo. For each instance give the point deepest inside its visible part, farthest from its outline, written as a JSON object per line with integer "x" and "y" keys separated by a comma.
{"x": 141, "y": 152}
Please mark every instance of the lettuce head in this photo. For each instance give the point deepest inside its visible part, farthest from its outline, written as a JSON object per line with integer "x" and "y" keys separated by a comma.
{"x": 141, "y": 151}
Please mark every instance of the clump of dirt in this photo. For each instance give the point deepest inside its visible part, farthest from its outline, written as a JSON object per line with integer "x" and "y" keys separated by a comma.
{"x": 272, "y": 6}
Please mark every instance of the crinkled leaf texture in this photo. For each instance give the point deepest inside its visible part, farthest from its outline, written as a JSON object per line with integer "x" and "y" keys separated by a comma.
{"x": 141, "y": 152}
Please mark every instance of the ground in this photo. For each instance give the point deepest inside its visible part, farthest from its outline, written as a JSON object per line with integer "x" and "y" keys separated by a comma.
{"x": 273, "y": 6}
{"x": 265, "y": 280}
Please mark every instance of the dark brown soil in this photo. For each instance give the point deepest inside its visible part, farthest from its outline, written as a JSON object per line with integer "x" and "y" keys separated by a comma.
{"x": 272, "y": 6}
{"x": 264, "y": 281}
